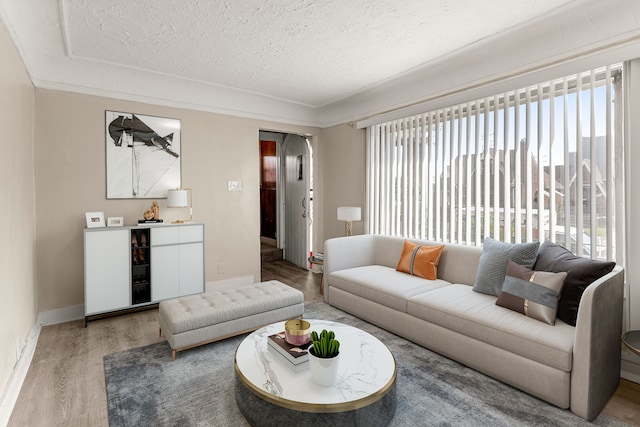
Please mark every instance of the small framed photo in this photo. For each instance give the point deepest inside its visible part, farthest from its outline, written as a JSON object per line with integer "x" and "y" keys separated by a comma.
{"x": 94, "y": 219}
{"x": 115, "y": 221}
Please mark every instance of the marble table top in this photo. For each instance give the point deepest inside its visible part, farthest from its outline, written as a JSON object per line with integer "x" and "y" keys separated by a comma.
{"x": 367, "y": 370}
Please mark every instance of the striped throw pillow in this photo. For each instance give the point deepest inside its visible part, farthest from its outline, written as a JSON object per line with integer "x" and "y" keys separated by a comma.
{"x": 532, "y": 293}
{"x": 420, "y": 260}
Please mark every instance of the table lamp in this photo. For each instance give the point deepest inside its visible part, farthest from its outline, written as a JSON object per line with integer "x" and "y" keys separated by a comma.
{"x": 348, "y": 214}
{"x": 180, "y": 198}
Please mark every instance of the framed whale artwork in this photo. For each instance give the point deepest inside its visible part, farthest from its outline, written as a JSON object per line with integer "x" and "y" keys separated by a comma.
{"x": 142, "y": 155}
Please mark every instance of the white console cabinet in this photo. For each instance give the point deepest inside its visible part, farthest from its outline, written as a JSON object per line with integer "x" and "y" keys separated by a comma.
{"x": 136, "y": 266}
{"x": 177, "y": 261}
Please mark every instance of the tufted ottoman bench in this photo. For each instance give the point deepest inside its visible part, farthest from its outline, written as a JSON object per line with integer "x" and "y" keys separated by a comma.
{"x": 226, "y": 310}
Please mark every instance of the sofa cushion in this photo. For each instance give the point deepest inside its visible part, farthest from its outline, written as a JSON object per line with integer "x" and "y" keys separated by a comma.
{"x": 420, "y": 260}
{"x": 383, "y": 285}
{"x": 459, "y": 263}
{"x": 532, "y": 293}
{"x": 458, "y": 308}
{"x": 581, "y": 272}
{"x": 493, "y": 263}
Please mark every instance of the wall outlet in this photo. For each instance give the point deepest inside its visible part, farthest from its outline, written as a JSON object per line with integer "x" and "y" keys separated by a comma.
{"x": 220, "y": 268}
{"x": 234, "y": 185}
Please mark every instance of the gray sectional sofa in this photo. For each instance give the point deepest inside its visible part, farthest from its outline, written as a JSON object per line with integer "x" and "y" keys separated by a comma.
{"x": 576, "y": 367}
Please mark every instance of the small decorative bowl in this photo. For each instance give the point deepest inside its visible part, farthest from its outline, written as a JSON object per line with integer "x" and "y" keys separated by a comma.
{"x": 297, "y": 331}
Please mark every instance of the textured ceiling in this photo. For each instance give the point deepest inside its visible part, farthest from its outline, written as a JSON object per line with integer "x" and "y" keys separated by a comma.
{"x": 311, "y": 53}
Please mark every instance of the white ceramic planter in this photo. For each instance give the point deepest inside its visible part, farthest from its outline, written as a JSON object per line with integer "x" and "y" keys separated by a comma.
{"x": 324, "y": 372}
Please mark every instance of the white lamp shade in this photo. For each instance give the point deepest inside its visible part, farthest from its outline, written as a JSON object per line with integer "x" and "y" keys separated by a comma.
{"x": 349, "y": 213}
{"x": 178, "y": 199}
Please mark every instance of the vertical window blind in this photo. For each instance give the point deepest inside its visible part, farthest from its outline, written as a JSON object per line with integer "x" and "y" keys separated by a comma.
{"x": 537, "y": 163}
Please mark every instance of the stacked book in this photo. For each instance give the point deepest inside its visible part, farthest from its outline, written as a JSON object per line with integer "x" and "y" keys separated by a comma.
{"x": 294, "y": 357}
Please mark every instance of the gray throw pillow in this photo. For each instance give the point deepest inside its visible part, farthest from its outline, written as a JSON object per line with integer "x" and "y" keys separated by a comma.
{"x": 493, "y": 263}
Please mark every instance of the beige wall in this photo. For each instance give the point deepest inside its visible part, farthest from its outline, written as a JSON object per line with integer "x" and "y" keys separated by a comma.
{"x": 343, "y": 183}
{"x": 70, "y": 180}
{"x": 17, "y": 238}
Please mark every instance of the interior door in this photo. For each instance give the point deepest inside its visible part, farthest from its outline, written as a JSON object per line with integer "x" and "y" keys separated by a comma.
{"x": 297, "y": 203}
{"x": 268, "y": 203}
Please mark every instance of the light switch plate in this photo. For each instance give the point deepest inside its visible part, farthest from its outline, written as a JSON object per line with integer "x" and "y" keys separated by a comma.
{"x": 234, "y": 185}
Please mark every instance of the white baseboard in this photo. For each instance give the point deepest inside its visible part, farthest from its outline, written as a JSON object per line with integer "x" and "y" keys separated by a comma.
{"x": 60, "y": 315}
{"x": 630, "y": 376}
{"x": 21, "y": 368}
{"x": 244, "y": 280}
{"x": 10, "y": 396}
{"x": 630, "y": 367}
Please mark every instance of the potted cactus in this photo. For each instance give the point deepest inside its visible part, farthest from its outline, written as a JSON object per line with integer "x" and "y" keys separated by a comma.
{"x": 323, "y": 358}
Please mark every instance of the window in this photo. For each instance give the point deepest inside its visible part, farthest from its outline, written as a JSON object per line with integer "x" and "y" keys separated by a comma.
{"x": 542, "y": 162}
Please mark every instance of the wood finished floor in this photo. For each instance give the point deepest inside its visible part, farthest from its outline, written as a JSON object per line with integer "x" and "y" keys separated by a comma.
{"x": 65, "y": 383}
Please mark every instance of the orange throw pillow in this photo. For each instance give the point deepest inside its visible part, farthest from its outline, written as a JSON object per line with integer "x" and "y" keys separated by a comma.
{"x": 420, "y": 260}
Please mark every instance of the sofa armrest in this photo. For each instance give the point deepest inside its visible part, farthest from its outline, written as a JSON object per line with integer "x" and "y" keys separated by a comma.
{"x": 597, "y": 348}
{"x": 346, "y": 252}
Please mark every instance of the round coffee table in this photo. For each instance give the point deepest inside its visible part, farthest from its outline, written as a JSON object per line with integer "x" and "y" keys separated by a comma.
{"x": 632, "y": 340}
{"x": 270, "y": 393}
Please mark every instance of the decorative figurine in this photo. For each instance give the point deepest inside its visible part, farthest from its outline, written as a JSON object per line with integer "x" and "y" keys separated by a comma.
{"x": 156, "y": 210}
{"x": 153, "y": 212}
{"x": 151, "y": 215}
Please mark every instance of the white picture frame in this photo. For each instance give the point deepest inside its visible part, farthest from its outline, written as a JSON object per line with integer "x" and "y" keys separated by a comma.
{"x": 94, "y": 219}
{"x": 115, "y": 221}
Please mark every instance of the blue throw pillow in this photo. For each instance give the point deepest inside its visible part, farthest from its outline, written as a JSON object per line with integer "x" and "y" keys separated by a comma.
{"x": 493, "y": 263}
